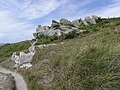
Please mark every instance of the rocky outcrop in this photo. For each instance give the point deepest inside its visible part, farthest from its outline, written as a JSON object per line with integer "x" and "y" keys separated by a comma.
{"x": 64, "y": 26}
{"x": 90, "y": 20}
{"x": 76, "y": 23}
{"x": 84, "y": 22}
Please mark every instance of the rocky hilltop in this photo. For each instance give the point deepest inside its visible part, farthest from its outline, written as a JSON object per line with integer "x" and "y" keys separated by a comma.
{"x": 87, "y": 61}
{"x": 64, "y": 26}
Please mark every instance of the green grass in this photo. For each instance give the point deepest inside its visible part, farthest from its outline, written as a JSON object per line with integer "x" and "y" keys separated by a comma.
{"x": 7, "y": 50}
{"x": 85, "y": 62}
{"x": 88, "y": 63}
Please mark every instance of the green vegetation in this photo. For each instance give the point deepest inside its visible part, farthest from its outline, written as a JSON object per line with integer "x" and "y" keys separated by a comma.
{"x": 84, "y": 62}
{"x": 103, "y": 24}
{"x": 88, "y": 62}
{"x": 7, "y": 50}
{"x": 55, "y": 39}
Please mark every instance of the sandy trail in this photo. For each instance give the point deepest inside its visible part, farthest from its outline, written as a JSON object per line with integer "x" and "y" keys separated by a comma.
{"x": 20, "y": 83}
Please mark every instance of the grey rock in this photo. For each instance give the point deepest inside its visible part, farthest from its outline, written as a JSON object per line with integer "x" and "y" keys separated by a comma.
{"x": 55, "y": 24}
{"x": 46, "y": 27}
{"x": 90, "y": 20}
{"x": 52, "y": 32}
{"x": 24, "y": 58}
{"x": 84, "y": 22}
{"x": 40, "y": 29}
{"x": 35, "y": 35}
{"x": 95, "y": 17}
{"x": 64, "y": 21}
{"x": 76, "y": 23}
{"x": 64, "y": 27}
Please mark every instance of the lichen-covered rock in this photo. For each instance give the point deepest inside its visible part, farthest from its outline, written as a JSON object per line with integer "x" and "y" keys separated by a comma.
{"x": 40, "y": 29}
{"x": 84, "y": 22}
{"x": 63, "y": 27}
{"x": 24, "y": 58}
{"x": 95, "y": 17}
{"x": 90, "y": 20}
{"x": 76, "y": 23}
{"x": 46, "y": 27}
{"x": 64, "y": 21}
{"x": 55, "y": 24}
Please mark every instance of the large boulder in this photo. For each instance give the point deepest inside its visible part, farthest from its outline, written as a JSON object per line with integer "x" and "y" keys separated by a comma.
{"x": 40, "y": 29}
{"x": 55, "y": 25}
{"x": 35, "y": 35}
{"x": 95, "y": 17}
{"x": 25, "y": 57}
{"x": 64, "y": 28}
{"x": 46, "y": 27}
{"x": 64, "y": 21}
{"x": 90, "y": 20}
{"x": 52, "y": 32}
{"x": 76, "y": 23}
{"x": 84, "y": 22}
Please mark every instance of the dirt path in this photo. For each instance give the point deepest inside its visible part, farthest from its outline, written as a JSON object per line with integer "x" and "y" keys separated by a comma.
{"x": 20, "y": 83}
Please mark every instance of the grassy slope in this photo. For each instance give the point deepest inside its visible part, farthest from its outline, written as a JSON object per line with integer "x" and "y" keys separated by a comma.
{"x": 86, "y": 62}
{"x": 7, "y": 50}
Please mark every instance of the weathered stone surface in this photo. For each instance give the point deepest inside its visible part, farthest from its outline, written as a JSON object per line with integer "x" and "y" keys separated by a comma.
{"x": 7, "y": 82}
{"x": 24, "y": 59}
{"x": 52, "y": 32}
{"x": 32, "y": 49}
{"x": 26, "y": 65}
{"x": 63, "y": 27}
{"x": 35, "y": 35}
{"x": 40, "y": 29}
{"x": 76, "y": 23}
{"x": 90, "y": 20}
{"x": 55, "y": 24}
{"x": 46, "y": 27}
{"x": 95, "y": 17}
{"x": 64, "y": 21}
{"x": 84, "y": 22}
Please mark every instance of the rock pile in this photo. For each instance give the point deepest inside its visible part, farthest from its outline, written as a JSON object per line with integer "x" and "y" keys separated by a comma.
{"x": 23, "y": 59}
{"x": 64, "y": 26}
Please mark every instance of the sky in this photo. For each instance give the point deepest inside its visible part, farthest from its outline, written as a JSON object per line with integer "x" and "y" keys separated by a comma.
{"x": 20, "y": 18}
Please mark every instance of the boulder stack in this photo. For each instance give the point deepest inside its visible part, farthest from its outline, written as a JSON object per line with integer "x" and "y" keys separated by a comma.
{"x": 64, "y": 21}
{"x": 64, "y": 26}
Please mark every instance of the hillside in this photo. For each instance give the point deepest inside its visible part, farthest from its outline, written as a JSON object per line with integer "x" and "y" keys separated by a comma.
{"x": 86, "y": 61}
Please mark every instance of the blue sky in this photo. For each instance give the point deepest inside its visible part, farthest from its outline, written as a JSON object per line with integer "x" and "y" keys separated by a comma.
{"x": 20, "y": 18}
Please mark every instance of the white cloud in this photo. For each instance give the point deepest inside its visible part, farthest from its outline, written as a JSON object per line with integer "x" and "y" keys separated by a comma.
{"x": 30, "y": 9}
{"x": 111, "y": 10}
{"x": 2, "y": 35}
{"x": 15, "y": 17}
